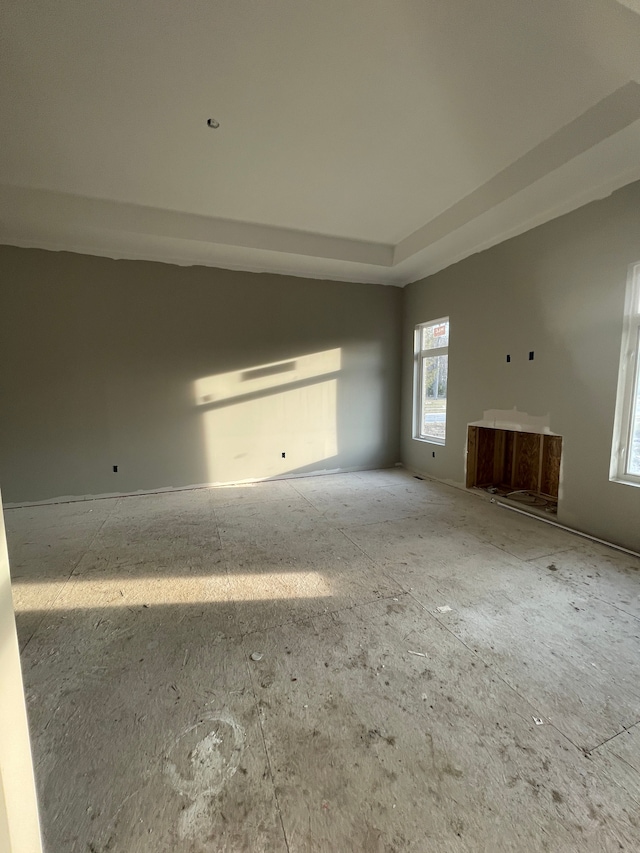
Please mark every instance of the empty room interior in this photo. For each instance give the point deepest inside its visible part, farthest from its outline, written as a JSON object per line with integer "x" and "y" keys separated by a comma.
{"x": 320, "y": 426}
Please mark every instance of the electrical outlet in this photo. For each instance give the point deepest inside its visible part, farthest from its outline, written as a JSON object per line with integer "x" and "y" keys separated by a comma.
{"x": 115, "y": 469}
{"x": 284, "y": 454}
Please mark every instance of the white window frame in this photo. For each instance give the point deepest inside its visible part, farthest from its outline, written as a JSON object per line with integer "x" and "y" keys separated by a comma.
{"x": 418, "y": 381}
{"x": 628, "y": 379}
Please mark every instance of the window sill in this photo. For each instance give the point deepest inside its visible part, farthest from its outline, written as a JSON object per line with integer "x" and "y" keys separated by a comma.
{"x": 626, "y": 481}
{"x": 431, "y": 441}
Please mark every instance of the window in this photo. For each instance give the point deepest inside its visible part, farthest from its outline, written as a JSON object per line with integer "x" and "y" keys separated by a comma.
{"x": 625, "y": 460}
{"x": 431, "y": 367}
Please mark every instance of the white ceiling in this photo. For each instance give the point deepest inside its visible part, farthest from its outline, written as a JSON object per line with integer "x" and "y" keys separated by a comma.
{"x": 369, "y": 140}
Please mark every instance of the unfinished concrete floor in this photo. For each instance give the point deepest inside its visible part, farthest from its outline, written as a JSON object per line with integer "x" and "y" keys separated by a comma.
{"x": 373, "y": 721}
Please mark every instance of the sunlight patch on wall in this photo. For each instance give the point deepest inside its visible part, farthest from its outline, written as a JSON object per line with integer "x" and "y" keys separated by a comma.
{"x": 253, "y": 416}
{"x": 238, "y": 383}
{"x": 86, "y": 593}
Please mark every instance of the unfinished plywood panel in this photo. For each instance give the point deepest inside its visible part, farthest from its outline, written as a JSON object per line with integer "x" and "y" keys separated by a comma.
{"x": 486, "y": 455}
{"x": 550, "y": 472}
{"x": 509, "y": 451}
{"x": 499, "y": 454}
{"x": 527, "y": 461}
{"x": 514, "y": 461}
{"x": 472, "y": 455}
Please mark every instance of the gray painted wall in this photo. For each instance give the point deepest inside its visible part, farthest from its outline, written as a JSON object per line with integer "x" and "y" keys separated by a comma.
{"x": 558, "y": 290}
{"x": 164, "y": 371}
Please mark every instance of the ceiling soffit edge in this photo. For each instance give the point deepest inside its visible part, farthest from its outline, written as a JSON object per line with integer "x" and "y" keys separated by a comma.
{"x": 26, "y": 212}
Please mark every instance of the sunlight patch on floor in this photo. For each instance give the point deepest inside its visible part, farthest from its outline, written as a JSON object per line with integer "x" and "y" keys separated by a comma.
{"x": 88, "y": 593}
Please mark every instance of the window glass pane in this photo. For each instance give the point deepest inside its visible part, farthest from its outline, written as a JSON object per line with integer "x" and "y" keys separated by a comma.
{"x": 633, "y": 465}
{"x": 435, "y": 336}
{"x": 434, "y": 406}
